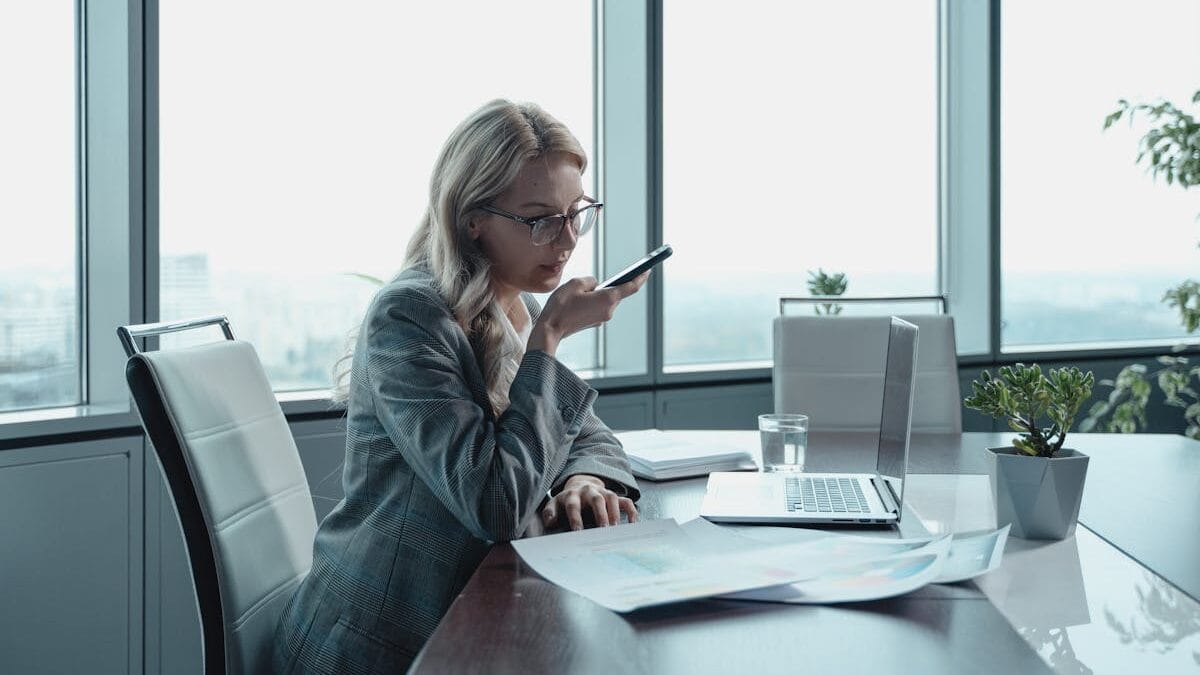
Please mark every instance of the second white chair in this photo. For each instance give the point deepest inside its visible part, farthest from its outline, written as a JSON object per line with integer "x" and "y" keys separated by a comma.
{"x": 831, "y": 369}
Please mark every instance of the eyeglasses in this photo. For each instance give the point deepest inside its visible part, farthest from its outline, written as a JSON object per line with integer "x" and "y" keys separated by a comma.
{"x": 545, "y": 229}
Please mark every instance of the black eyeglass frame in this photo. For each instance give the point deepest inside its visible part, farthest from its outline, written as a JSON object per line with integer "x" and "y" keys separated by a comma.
{"x": 533, "y": 223}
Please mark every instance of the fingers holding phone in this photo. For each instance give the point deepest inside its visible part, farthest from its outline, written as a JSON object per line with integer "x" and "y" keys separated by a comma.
{"x": 629, "y": 287}
{"x": 578, "y": 305}
{"x": 582, "y": 303}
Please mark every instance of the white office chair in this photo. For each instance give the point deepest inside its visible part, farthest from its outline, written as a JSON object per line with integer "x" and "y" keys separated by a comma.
{"x": 237, "y": 482}
{"x": 831, "y": 369}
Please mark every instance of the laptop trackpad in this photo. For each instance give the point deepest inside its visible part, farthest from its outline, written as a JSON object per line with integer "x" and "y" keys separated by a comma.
{"x": 747, "y": 493}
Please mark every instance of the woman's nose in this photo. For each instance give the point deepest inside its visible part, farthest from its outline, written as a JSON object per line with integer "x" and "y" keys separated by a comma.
{"x": 567, "y": 238}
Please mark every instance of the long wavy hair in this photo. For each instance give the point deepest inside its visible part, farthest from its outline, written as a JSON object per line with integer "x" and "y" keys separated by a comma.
{"x": 478, "y": 162}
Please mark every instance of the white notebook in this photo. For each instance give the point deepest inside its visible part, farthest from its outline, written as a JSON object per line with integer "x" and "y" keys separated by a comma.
{"x": 659, "y": 455}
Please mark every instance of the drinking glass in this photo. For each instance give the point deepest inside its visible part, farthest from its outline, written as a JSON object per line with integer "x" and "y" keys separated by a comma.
{"x": 784, "y": 441}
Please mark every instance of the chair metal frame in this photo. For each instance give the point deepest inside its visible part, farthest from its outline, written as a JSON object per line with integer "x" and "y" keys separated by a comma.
{"x": 942, "y": 300}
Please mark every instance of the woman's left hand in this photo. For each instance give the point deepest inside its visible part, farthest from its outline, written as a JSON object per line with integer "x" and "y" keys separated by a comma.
{"x": 583, "y": 491}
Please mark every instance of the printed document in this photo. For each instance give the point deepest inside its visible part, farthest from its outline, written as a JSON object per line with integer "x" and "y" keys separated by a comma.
{"x": 657, "y": 562}
{"x": 894, "y": 566}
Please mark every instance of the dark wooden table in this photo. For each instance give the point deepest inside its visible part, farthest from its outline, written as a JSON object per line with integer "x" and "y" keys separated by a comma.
{"x": 509, "y": 619}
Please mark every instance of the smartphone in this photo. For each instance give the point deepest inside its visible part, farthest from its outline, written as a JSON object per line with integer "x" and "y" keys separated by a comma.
{"x": 630, "y": 273}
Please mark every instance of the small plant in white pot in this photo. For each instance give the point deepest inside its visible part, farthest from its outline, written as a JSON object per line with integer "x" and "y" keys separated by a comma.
{"x": 1037, "y": 483}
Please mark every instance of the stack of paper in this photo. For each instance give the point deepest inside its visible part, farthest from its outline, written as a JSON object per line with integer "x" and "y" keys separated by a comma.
{"x": 656, "y": 455}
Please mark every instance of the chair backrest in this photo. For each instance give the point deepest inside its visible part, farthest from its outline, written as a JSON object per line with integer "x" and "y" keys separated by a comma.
{"x": 831, "y": 369}
{"x": 240, "y": 489}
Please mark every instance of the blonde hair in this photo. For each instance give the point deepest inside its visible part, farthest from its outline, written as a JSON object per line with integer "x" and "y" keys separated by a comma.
{"x": 478, "y": 162}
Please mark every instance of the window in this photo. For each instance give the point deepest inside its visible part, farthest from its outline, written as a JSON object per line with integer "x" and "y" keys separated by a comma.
{"x": 796, "y": 136}
{"x": 39, "y": 316}
{"x": 1089, "y": 241}
{"x": 296, "y": 144}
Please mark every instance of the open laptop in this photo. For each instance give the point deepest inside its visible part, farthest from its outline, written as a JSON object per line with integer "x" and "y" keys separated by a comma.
{"x": 833, "y": 498}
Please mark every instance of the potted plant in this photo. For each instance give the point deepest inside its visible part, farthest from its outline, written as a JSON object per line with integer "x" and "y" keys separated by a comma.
{"x": 1037, "y": 484}
{"x": 822, "y": 284}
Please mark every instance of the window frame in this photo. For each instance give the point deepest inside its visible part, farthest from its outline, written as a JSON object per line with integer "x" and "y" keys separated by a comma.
{"x": 117, "y": 205}
{"x": 112, "y": 228}
{"x": 79, "y": 262}
{"x": 955, "y": 283}
{"x": 998, "y": 352}
{"x": 298, "y": 399}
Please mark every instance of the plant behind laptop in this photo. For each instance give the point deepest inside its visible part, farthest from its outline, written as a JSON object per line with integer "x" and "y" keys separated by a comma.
{"x": 1024, "y": 396}
{"x": 821, "y": 283}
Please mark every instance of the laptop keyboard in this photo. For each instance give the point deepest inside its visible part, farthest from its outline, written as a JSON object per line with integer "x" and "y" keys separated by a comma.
{"x": 824, "y": 495}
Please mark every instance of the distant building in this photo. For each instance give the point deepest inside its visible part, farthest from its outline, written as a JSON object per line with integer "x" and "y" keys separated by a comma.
{"x": 185, "y": 287}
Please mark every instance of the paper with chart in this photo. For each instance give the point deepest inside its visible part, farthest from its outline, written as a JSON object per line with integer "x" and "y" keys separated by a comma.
{"x": 655, "y": 562}
{"x": 878, "y": 567}
{"x": 970, "y": 554}
{"x": 893, "y": 575}
{"x": 863, "y": 568}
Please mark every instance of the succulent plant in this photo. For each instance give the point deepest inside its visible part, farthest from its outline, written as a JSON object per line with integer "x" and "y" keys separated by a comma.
{"x": 1023, "y": 396}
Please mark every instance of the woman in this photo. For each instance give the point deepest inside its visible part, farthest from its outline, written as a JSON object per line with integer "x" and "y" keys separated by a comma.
{"x": 460, "y": 420}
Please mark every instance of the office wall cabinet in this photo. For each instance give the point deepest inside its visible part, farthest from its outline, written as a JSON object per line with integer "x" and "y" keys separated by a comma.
{"x": 71, "y": 558}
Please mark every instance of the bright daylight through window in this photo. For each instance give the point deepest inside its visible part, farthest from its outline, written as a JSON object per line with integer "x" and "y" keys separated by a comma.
{"x": 1090, "y": 241}
{"x": 296, "y": 156}
{"x": 39, "y": 316}
{"x": 808, "y": 140}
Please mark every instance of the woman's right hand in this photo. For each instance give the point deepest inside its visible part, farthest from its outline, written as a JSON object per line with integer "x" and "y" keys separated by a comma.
{"x": 576, "y": 306}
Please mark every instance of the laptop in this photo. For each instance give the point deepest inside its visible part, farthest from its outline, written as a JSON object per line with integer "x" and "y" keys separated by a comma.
{"x": 849, "y": 499}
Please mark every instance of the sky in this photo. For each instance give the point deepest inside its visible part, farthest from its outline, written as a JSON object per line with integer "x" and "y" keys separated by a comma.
{"x": 796, "y": 135}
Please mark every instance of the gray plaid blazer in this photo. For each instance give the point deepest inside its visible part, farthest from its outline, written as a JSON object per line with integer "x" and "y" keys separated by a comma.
{"x": 431, "y": 479}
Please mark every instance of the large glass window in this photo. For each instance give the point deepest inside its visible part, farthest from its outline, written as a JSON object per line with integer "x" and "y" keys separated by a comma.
{"x": 296, "y": 143}
{"x": 1090, "y": 241}
{"x": 797, "y": 136}
{"x": 39, "y": 316}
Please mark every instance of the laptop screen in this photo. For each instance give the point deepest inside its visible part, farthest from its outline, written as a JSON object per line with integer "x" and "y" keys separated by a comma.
{"x": 896, "y": 420}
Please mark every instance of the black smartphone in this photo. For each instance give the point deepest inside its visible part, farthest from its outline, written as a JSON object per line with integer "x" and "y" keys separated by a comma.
{"x": 630, "y": 273}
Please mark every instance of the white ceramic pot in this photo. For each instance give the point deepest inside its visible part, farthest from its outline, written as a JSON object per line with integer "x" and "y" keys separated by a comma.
{"x": 1039, "y": 496}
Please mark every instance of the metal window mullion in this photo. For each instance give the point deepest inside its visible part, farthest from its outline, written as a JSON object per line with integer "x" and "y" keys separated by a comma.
{"x": 136, "y": 312}
{"x": 81, "y": 355}
{"x": 149, "y": 272}
{"x": 942, "y": 179}
{"x": 996, "y": 314}
{"x": 623, "y": 343}
{"x": 598, "y": 160}
{"x": 654, "y": 73}
{"x": 968, "y": 253}
{"x": 109, "y": 237}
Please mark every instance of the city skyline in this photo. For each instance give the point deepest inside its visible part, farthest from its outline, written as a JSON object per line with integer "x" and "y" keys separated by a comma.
{"x": 300, "y": 330}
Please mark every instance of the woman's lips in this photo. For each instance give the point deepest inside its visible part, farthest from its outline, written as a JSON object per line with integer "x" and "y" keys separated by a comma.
{"x": 553, "y": 269}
